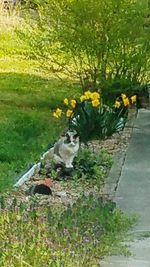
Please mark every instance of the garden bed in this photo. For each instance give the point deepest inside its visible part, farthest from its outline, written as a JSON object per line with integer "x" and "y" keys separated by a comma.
{"x": 66, "y": 191}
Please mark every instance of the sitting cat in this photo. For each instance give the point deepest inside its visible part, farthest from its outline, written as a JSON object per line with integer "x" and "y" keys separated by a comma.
{"x": 64, "y": 150}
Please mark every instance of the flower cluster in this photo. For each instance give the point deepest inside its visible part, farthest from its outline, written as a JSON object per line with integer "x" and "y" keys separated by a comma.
{"x": 93, "y": 98}
{"x": 92, "y": 118}
{"x": 69, "y": 113}
{"x": 57, "y": 114}
{"x": 125, "y": 101}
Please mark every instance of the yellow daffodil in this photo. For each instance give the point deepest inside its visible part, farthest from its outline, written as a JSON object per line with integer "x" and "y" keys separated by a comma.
{"x": 73, "y": 103}
{"x": 82, "y": 98}
{"x": 95, "y": 103}
{"x": 66, "y": 102}
{"x": 123, "y": 96}
{"x": 88, "y": 94}
{"x": 57, "y": 114}
{"x": 133, "y": 99}
{"x": 95, "y": 96}
{"x": 117, "y": 104}
{"x": 126, "y": 102}
{"x": 69, "y": 113}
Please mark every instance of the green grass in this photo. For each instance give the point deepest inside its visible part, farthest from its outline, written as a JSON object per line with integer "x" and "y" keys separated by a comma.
{"x": 27, "y": 100}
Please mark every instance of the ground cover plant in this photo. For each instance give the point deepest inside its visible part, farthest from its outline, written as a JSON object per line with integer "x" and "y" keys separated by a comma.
{"x": 80, "y": 236}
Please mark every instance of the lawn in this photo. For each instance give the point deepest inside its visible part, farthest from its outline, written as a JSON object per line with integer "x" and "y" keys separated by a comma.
{"x": 27, "y": 99}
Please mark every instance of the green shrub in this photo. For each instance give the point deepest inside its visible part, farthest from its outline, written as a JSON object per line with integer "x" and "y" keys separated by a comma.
{"x": 102, "y": 43}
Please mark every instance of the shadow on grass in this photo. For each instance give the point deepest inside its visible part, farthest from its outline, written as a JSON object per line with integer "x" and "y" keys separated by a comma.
{"x": 32, "y": 91}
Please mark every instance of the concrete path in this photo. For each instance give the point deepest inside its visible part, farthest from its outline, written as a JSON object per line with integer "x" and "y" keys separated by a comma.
{"x": 133, "y": 194}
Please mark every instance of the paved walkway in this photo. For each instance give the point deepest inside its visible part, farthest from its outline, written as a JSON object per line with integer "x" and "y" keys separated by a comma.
{"x": 133, "y": 194}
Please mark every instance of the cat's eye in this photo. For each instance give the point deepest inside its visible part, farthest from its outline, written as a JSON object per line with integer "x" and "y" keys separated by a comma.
{"x": 67, "y": 139}
{"x": 67, "y": 136}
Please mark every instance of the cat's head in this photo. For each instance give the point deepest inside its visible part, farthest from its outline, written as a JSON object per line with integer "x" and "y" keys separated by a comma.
{"x": 71, "y": 138}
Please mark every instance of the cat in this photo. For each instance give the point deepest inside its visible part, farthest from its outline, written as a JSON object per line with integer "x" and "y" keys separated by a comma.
{"x": 65, "y": 149}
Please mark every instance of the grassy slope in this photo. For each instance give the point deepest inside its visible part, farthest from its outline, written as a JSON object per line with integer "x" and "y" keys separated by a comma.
{"x": 26, "y": 103}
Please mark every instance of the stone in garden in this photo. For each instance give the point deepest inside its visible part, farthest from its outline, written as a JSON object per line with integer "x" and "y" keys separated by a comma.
{"x": 47, "y": 181}
{"x": 61, "y": 194}
{"x": 40, "y": 189}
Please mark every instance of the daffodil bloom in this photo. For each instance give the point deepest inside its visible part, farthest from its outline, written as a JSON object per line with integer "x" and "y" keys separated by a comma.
{"x": 133, "y": 99}
{"x": 117, "y": 104}
{"x": 82, "y": 98}
{"x": 123, "y": 96}
{"x": 95, "y": 103}
{"x": 88, "y": 94}
{"x": 95, "y": 96}
{"x": 57, "y": 114}
{"x": 66, "y": 102}
{"x": 126, "y": 102}
{"x": 69, "y": 113}
{"x": 73, "y": 103}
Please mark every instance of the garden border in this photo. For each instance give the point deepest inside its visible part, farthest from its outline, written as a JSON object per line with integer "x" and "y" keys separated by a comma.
{"x": 28, "y": 174}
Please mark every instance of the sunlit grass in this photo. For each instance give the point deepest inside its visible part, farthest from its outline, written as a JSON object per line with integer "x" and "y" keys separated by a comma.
{"x": 27, "y": 99}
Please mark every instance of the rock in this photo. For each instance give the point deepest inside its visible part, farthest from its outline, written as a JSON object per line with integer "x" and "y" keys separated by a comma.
{"x": 40, "y": 189}
{"x": 61, "y": 194}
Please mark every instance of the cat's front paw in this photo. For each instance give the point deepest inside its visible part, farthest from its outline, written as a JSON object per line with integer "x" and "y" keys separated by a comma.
{"x": 69, "y": 166}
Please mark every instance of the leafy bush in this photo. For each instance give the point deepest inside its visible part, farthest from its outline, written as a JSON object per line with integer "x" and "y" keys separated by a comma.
{"x": 91, "y": 118}
{"x": 81, "y": 236}
{"x": 102, "y": 43}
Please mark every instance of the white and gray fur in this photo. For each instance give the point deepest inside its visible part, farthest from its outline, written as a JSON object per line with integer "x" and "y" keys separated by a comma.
{"x": 64, "y": 150}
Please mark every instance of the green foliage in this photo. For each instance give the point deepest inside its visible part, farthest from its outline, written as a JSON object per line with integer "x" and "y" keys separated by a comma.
{"x": 81, "y": 236}
{"x": 102, "y": 43}
{"x": 101, "y": 123}
{"x": 92, "y": 166}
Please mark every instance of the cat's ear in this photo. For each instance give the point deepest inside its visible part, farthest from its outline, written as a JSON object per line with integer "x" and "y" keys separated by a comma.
{"x": 76, "y": 136}
{"x": 64, "y": 132}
